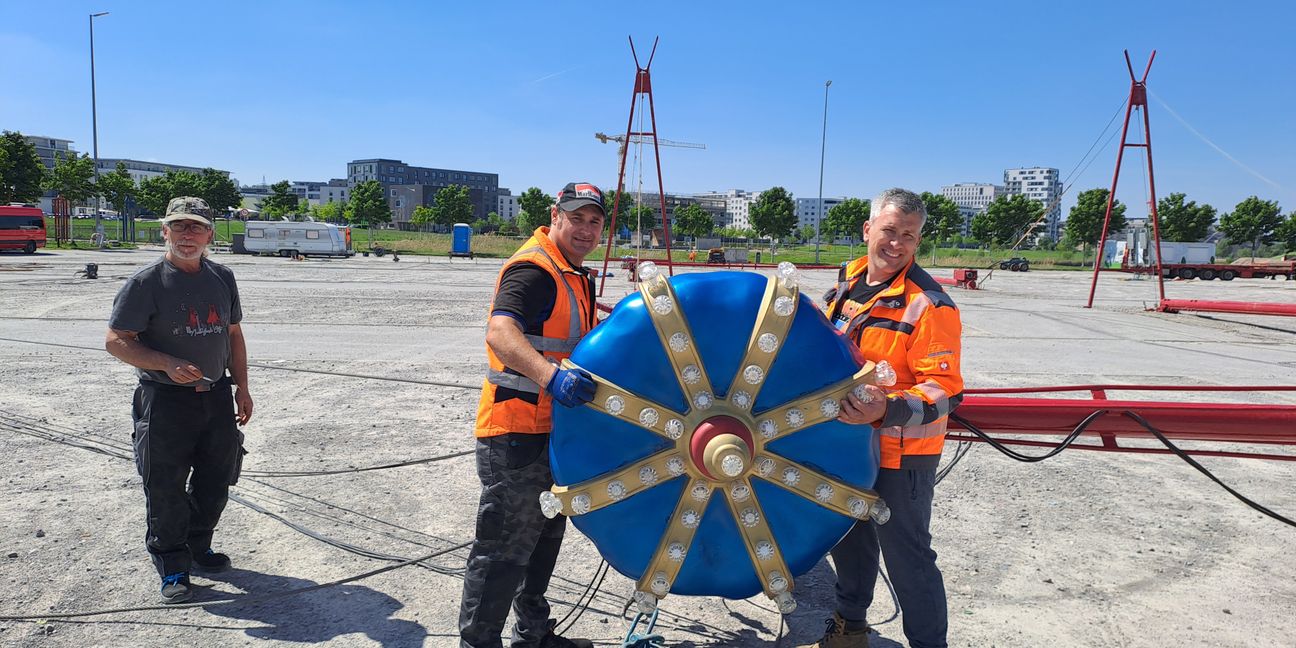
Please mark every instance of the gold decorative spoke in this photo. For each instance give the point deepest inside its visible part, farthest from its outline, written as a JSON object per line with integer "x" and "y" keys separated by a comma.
{"x": 676, "y": 542}
{"x": 678, "y": 342}
{"x": 815, "y": 486}
{"x": 614, "y": 401}
{"x": 764, "y": 552}
{"x": 773, "y": 320}
{"x": 610, "y": 488}
{"x": 813, "y": 409}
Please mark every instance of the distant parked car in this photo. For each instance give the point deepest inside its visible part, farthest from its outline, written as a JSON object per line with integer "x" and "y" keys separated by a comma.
{"x": 1015, "y": 264}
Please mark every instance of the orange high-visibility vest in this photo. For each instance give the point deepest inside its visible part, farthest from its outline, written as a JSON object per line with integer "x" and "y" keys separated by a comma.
{"x": 915, "y": 326}
{"x": 505, "y": 404}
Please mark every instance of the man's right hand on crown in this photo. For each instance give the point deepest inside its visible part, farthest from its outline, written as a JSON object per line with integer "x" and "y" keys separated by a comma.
{"x": 571, "y": 387}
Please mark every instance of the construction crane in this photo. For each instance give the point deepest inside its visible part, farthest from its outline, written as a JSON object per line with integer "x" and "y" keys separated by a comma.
{"x": 642, "y": 138}
{"x": 637, "y": 138}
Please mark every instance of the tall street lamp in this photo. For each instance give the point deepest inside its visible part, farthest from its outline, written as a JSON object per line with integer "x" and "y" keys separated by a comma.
{"x": 94, "y": 125}
{"x": 823, "y": 142}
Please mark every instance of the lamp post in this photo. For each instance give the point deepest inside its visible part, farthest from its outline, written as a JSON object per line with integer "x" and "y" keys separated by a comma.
{"x": 823, "y": 142}
{"x": 94, "y": 126}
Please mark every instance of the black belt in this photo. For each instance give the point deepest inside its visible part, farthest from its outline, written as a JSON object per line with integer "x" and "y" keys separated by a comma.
{"x": 200, "y": 386}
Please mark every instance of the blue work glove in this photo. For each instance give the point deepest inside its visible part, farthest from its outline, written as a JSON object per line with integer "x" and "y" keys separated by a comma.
{"x": 571, "y": 387}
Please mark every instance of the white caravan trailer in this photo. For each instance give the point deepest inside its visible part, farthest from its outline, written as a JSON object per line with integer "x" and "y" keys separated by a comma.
{"x": 287, "y": 238}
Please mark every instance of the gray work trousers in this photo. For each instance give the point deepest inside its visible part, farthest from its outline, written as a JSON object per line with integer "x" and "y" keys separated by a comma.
{"x": 905, "y": 542}
{"x": 516, "y": 547}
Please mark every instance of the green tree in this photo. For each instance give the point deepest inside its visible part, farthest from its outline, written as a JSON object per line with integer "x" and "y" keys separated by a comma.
{"x": 154, "y": 193}
{"x": 1181, "y": 221}
{"x": 281, "y": 201}
{"x": 692, "y": 220}
{"x": 1084, "y": 222}
{"x": 331, "y": 212}
{"x": 368, "y": 206}
{"x": 1253, "y": 222}
{"x": 72, "y": 177}
{"x": 805, "y": 233}
{"x": 943, "y": 218}
{"x": 1005, "y": 219}
{"x": 452, "y": 205}
{"x": 773, "y": 214}
{"x": 423, "y": 215}
{"x": 641, "y": 218}
{"x": 493, "y": 222}
{"x": 219, "y": 191}
{"x": 21, "y": 172}
{"x": 846, "y": 218}
{"x": 1286, "y": 233}
{"x": 117, "y": 187}
{"x": 535, "y": 206}
{"x": 610, "y": 204}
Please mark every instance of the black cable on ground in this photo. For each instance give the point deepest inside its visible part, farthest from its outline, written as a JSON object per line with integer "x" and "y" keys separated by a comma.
{"x": 1202, "y": 469}
{"x": 1147, "y": 426}
{"x": 581, "y": 604}
{"x": 342, "y": 471}
{"x": 241, "y": 599}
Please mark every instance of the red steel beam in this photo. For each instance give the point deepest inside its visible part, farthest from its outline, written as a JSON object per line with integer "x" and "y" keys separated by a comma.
{"x": 1215, "y": 306}
{"x": 1219, "y": 422}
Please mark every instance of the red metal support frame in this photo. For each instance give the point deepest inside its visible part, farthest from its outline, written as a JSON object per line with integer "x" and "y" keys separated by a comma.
{"x": 1237, "y": 423}
{"x": 642, "y": 86}
{"x": 1137, "y": 99}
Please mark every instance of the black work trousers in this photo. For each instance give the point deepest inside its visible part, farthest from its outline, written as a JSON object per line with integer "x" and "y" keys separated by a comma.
{"x": 516, "y": 547}
{"x": 188, "y": 451}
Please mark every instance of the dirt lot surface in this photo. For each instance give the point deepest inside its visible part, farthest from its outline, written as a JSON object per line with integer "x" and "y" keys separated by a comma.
{"x": 1085, "y": 549}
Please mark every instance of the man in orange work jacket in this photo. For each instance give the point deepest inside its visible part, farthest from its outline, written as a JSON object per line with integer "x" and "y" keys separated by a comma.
{"x": 896, "y": 312}
{"x": 543, "y": 306}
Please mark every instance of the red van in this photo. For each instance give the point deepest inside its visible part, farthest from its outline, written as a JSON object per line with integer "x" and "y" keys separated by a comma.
{"x": 21, "y": 228}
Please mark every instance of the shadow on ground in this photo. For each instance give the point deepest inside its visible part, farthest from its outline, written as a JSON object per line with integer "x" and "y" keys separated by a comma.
{"x": 315, "y": 616}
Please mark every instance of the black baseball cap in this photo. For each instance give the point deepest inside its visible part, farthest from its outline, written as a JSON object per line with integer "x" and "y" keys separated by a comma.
{"x": 579, "y": 194}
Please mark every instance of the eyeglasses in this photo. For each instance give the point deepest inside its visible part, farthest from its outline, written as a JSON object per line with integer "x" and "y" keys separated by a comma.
{"x": 188, "y": 227}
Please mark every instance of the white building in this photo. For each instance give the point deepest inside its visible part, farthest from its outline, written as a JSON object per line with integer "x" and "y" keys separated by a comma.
{"x": 508, "y": 205}
{"x": 1040, "y": 184}
{"x": 972, "y": 198}
{"x": 810, "y": 211}
{"x": 335, "y": 191}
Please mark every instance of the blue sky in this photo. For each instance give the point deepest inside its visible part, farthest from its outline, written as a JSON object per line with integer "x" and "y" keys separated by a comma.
{"x": 923, "y": 94}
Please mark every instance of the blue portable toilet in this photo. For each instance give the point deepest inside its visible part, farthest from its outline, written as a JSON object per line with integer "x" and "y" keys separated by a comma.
{"x": 461, "y": 241}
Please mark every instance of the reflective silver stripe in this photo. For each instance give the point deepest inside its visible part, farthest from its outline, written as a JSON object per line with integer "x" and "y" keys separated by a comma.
{"x": 915, "y": 410}
{"x": 512, "y": 381}
{"x": 552, "y": 345}
{"x": 917, "y": 432}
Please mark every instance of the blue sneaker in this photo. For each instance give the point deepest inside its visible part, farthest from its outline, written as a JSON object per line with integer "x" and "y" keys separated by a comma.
{"x": 175, "y": 588}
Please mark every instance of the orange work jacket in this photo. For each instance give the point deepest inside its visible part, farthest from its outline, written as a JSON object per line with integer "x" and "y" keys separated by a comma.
{"x": 511, "y": 402}
{"x": 915, "y": 326}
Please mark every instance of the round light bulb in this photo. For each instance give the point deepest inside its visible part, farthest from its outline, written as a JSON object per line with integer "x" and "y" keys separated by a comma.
{"x": 767, "y": 342}
{"x": 647, "y": 476}
{"x": 784, "y": 306}
{"x": 614, "y": 405}
{"x": 884, "y": 374}
{"x": 550, "y": 505}
{"x": 691, "y": 374}
{"x": 674, "y": 428}
{"x": 678, "y": 342}
{"x": 742, "y": 399}
{"x": 753, "y": 375}
{"x": 647, "y": 271}
{"x": 648, "y": 417}
{"x": 616, "y": 489}
{"x": 662, "y": 305}
{"x": 580, "y": 504}
{"x": 732, "y": 465}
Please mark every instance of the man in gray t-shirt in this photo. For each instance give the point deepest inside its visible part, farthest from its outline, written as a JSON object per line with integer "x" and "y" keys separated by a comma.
{"x": 177, "y": 321}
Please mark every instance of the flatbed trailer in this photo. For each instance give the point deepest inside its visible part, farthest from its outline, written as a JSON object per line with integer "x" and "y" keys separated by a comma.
{"x": 1222, "y": 271}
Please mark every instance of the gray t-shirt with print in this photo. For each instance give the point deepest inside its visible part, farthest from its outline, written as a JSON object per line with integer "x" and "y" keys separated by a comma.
{"x": 183, "y": 314}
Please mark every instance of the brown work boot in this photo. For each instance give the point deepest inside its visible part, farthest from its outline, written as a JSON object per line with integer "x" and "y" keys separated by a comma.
{"x": 837, "y": 636}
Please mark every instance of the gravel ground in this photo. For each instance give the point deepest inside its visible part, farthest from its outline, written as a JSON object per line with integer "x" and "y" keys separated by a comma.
{"x": 1086, "y": 549}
